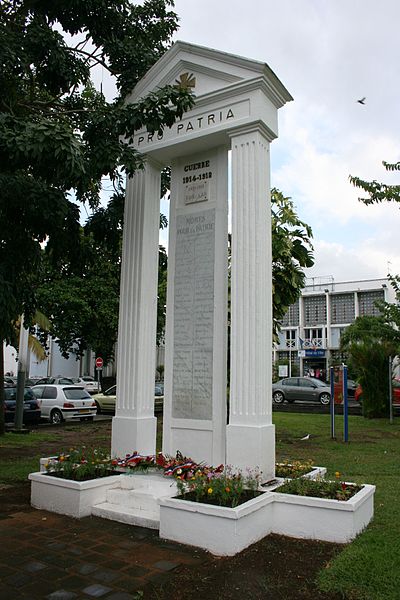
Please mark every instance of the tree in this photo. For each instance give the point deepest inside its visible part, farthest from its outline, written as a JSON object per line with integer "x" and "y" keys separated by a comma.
{"x": 58, "y": 134}
{"x": 291, "y": 253}
{"x": 378, "y": 192}
{"x": 370, "y": 341}
{"x": 83, "y": 296}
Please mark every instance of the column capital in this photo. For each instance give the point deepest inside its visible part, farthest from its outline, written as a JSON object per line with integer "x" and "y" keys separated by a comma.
{"x": 256, "y": 127}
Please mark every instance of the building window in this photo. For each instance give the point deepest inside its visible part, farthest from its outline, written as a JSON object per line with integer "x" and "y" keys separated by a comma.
{"x": 313, "y": 338}
{"x": 366, "y": 303}
{"x": 292, "y": 315}
{"x": 314, "y": 310}
{"x": 342, "y": 308}
{"x": 290, "y": 338}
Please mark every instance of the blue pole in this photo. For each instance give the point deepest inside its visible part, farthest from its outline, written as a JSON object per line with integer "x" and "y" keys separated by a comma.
{"x": 345, "y": 406}
{"x": 332, "y": 407}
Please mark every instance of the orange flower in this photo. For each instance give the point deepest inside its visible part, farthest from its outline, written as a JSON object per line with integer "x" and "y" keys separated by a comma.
{"x": 227, "y": 489}
{"x": 337, "y": 474}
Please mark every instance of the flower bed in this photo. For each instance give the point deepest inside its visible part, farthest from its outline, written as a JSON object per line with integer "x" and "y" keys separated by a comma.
{"x": 321, "y": 518}
{"x": 217, "y": 509}
{"x": 220, "y": 488}
{"x": 218, "y": 529}
{"x": 68, "y": 497}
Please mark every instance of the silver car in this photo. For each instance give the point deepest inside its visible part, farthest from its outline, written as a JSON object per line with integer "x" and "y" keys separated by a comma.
{"x": 64, "y": 403}
{"x": 301, "y": 388}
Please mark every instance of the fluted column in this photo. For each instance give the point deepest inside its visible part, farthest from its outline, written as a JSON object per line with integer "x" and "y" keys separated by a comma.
{"x": 134, "y": 425}
{"x": 250, "y": 433}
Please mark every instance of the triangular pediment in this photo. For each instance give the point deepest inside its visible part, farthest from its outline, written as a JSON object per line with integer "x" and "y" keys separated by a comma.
{"x": 205, "y": 71}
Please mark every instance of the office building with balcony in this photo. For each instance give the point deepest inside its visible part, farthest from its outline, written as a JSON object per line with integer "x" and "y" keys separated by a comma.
{"x": 309, "y": 340}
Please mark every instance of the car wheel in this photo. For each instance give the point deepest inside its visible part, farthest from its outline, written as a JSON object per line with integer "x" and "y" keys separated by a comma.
{"x": 278, "y": 397}
{"x": 56, "y": 417}
{"x": 98, "y": 408}
{"x": 325, "y": 398}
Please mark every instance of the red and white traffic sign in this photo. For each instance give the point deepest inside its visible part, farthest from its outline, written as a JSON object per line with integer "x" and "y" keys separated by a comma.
{"x": 99, "y": 362}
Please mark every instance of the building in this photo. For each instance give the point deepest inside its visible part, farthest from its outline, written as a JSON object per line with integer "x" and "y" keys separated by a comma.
{"x": 309, "y": 340}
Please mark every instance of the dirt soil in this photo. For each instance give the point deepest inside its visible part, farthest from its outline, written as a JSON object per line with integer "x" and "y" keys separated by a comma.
{"x": 276, "y": 568}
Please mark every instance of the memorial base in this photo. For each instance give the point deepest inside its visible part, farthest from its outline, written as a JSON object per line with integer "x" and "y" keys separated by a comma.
{"x": 252, "y": 446}
{"x": 131, "y": 434}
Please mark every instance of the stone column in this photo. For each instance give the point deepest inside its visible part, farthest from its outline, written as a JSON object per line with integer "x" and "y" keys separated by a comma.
{"x": 134, "y": 425}
{"x": 250, "y": 433}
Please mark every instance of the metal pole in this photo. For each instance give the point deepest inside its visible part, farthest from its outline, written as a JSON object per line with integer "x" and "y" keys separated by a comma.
{"x": 22, "y": 366}
{"x": 345, "y": 406}
{"x": 390, "y": 391}
{"x": 332, "y": 406}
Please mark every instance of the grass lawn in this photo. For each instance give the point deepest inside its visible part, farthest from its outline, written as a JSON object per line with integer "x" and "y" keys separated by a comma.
{"x": 368, "y": 568}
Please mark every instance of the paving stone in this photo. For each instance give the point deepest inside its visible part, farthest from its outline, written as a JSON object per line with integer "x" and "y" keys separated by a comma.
{"x": 73, "y": 582}
{"x": 56, "y": 545}
{"x": 105, "y": 575}
{"x": 62, "y": 595}
{"x": 87, "y": 568}
{"x": 18, "y": 579}
{"x": 75, "y": 550}
{"x": 121, "y": 596}
{"x": 165, "y": 565}
{"x": 96, "y": 590}
{"x": 136, "y": 571}
{"x": 131, "y": 584}
{"x": 9, "y": 593}
{"x": 128, "y": 544}
{"x": 33, "y": 567}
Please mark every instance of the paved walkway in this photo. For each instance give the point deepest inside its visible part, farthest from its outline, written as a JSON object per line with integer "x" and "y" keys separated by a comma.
{"x": 44, "y": 555}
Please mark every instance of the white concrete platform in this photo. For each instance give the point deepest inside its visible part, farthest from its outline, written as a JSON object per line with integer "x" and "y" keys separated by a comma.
{"x": 136, "y": 500}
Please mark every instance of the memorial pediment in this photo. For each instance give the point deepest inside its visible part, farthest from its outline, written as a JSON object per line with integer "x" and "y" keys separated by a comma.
{"x": 231, "y": 92}
{"x": 206, "y": 71}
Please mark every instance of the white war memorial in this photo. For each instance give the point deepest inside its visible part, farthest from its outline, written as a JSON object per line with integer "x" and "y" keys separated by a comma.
{"x": 236, "y": 106}
{"x": 235, "y": 110}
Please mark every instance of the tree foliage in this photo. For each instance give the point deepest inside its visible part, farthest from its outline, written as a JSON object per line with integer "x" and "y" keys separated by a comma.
{"x": 369, "y": 342}
{"x": 378, "y": 192}
{"x": 58, "y": 135}
{"x": 292, "y": 251}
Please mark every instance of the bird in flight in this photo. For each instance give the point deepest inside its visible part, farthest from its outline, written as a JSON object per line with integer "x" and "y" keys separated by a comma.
{"x": 362, "y": 100}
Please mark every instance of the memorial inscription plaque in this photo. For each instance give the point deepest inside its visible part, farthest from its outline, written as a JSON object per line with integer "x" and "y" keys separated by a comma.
{"x": 194, "y": 315}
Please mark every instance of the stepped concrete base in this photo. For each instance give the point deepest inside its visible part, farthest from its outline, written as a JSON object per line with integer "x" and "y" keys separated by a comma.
{"x": 136, "y": 500}
{"x": 130, "y": 516}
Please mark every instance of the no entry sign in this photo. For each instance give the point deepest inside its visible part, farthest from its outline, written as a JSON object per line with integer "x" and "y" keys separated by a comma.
{"x": 99, "y": 363}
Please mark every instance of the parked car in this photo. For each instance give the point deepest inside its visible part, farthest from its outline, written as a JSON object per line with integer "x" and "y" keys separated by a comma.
{"x": 395, "y": 392}
{"x": 32, "y": 409}
{"x": 59, "y": 380}
{"x": 105, "y": 402}
{"x": 301, "y": 388}
{"x": 88, "y": 382}
{"x": 65, "y": 402}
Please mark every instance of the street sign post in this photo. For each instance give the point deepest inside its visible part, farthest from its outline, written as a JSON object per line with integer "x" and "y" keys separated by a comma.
{"x": 99, "y": 367}
{"x": 338, "y": 378}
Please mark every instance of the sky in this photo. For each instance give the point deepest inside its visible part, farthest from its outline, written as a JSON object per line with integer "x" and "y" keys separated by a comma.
{"x": 328, "y": 54}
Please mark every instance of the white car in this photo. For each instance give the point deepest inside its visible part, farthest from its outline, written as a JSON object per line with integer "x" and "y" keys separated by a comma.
{"x": 65, "y": 403}
{"x": 88, "y": 382}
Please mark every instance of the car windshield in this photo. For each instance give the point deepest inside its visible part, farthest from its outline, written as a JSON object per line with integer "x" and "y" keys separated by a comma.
{"x": 111, "y": 391}
{"x": 86, "y": 378}
{"x": 11, "y": 394}
{"x": 76, "y": 393}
